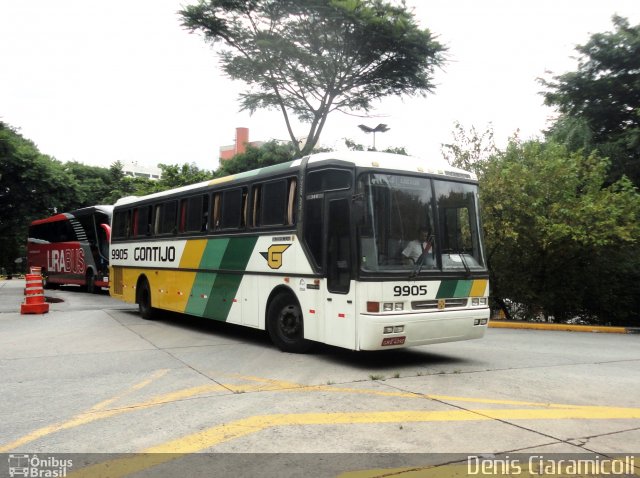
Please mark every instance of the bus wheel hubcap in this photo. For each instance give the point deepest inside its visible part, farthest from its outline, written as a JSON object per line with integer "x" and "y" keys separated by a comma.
{"x": 290, "y": 321}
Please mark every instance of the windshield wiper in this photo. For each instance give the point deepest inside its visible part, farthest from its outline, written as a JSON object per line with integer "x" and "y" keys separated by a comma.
{"x": 418, "y": 266}
{"x": 464, "y": 262}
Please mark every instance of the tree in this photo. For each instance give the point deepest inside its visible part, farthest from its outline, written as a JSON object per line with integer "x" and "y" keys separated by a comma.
{"x": 175, "y": 175}
{"x": 94, "y": 185}
{"x": 308, "y": 58}
{"x": 32, "y": 186}
{"x": 469, "y": 150}
{"x": 254, "y": 158}
{"x": 600, "y": 102}
{"x": 559, "y": 242}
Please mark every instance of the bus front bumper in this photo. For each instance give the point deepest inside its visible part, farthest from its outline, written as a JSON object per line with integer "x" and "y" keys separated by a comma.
{"x": 412, "y": 329}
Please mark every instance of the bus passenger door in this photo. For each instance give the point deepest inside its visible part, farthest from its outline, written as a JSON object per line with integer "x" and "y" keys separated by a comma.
{"x": 339, "y": 314}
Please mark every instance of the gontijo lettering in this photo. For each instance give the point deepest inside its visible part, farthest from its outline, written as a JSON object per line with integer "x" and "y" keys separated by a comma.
{"x": 155, "y": 253}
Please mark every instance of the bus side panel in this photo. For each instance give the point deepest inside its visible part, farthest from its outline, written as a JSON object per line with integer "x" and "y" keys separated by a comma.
{"x": 252, "y": 296}
{"x": 220, "y": 278}
{"x": 123, "y": 283}
{"x": 63, "y": 262}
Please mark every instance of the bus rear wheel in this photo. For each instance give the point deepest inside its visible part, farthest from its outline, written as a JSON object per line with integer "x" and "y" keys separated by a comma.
{"x": 144, "y": 301}
{"x": 285, "y": 324}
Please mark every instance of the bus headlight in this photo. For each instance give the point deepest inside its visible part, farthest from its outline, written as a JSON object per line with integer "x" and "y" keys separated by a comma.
{"x": 387, "y": 306}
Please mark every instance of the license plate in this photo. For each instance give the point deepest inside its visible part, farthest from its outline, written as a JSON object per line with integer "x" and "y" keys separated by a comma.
{"x": 393, "y": 341}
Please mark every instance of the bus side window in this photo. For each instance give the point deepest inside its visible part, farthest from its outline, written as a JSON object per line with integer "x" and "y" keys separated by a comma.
{"x": 275, "y": 195}
{"x": 204, "y": 216}
{"x": 182, "y": 223}
{"x": 291, "y": 203}
{"x": 257, "y": 202}
{"x": 134, "y": 222}
{"x": 245, "y": 208}
{"x": 156, "y": 222}
{"x": 166, "y": 218}
{"x": 142, "y": 221}
{"x": 215, "y": 222}
{"x": 194, "y": 214}
{"x": 233, "y": 205}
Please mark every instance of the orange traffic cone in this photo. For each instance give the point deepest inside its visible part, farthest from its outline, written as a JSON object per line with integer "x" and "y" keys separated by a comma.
{"x": 34, "y": 301}
{"x": 34, "y": 270}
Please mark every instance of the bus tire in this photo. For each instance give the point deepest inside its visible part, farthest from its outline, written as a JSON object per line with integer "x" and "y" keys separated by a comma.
{"x": 91, "y": 282}
{"x": 285, "y": 324}
{"x": 143, "y": 298}
{"x": 45, "y": 280}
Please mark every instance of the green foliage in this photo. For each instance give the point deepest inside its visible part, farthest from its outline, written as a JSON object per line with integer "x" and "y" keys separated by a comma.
{"x": 600, "y": 102}
{"x": 352, "y": 145}
{"x": 94, "y": 184}
{"x": 32, "y": 185}
{"x": 471, "y": 149}
{"x": 253, "y": 158}
{"x": 175, "y": 175}
{"x": 554, "y": 233}
{"x": 309, "y": 58}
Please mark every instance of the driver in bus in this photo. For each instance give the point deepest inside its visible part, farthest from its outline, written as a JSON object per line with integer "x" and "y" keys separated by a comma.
{"x": 417, "y": 247}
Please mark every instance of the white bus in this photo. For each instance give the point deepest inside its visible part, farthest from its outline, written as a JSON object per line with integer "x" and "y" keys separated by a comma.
{"x": 314, "y": 250}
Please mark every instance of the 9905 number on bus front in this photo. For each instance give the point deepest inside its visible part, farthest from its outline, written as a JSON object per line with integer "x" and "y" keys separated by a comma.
{"x": 406, "y": 290}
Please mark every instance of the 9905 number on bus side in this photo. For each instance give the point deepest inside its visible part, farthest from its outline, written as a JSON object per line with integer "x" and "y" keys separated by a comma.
{"x": 121, "y": 254}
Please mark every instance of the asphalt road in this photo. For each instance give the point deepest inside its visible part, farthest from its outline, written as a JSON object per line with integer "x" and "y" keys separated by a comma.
{"x": 91, "y": 376}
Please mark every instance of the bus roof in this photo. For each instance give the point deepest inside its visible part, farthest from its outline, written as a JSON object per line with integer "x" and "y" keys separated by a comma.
{"x": 364, "y": 159}
{"x": 108, "y": 210}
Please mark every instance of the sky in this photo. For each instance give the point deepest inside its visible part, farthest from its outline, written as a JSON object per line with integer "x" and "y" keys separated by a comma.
{"x": 99, "y": 82}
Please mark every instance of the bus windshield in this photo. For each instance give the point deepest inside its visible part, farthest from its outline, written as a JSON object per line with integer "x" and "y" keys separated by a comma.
{"x": 418, "y": 224}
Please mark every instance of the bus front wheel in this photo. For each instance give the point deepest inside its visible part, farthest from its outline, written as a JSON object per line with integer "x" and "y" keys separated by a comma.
{"x": 91, "y": 282}
{"x": 45, "y": 280}
{"x": 144, "y": 301}
{"x": 285, "y": 324}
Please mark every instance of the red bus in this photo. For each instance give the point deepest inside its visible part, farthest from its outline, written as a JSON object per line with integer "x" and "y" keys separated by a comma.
{"x": 72, "y": 248}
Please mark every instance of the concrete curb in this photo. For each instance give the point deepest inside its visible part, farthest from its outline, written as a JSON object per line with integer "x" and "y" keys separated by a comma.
{"x": 512, "y": 324}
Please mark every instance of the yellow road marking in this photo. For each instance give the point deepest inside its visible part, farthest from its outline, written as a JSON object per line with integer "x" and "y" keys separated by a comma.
{"x": 213, "y": 436}
{"x": 94, "y": 413}
{"x": 294, "y": 387}
{"x": 98, "y": 412}
{"x": 156, "y": 375}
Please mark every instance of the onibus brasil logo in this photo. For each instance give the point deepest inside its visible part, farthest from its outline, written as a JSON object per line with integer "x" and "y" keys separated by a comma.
{"x": 37, "y": 467}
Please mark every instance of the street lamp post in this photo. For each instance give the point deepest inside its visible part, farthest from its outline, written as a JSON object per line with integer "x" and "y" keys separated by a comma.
{"x": 381, "y": 128}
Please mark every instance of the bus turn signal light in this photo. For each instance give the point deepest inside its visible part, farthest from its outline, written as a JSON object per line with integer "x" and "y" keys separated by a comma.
{"x": 373, "y": 306}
